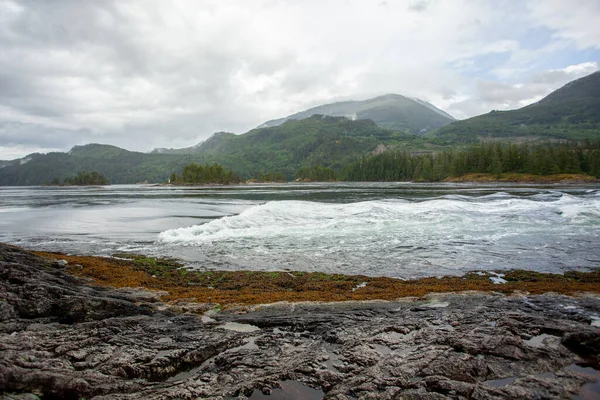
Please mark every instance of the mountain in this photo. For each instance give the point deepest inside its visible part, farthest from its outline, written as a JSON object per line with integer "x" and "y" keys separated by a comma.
{"x": 118, "y": 165}
{"x": 571, "y": 112}
{"x": 318, "y": 140}
{"x": 186, "y": 150}
{"x": 391, "y": 111}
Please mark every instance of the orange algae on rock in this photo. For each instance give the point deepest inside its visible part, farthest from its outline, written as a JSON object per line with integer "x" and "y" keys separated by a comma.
{"x": 257, "y": 287}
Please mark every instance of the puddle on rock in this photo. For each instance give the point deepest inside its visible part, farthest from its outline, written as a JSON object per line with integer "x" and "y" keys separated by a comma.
{"x": 397, "y": 336}
{"x": 437, "y": 304}
{"x": 500, "y": 382}
{"x": 381, "y": 348}
{"x": 207, "y": 320}
{"x": 250, "y": 344}
{"x": 542, "y": 340}
{"x": 334, "y": 359}
{"x": 237, "y": 327}
{"x": 290, "y": 390}
{"x": 591, "y": 390}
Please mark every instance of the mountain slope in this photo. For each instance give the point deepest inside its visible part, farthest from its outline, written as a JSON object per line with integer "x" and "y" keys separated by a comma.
{"x": 571, "y": 112}
{"x": 391, "y": 111}
{"x": 318, "y": 140}
{"x": 118, "y": 165}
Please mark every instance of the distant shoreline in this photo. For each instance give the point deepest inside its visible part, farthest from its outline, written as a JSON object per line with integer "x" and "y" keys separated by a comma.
{"x": 467, "y": 178}
{"x": 523, "y": 178}
{"x": 573, "y": 179}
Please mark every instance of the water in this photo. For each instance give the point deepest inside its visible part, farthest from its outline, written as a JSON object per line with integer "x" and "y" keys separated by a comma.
{"x": 380, "y": 229}
{"x": 290, "y": 390}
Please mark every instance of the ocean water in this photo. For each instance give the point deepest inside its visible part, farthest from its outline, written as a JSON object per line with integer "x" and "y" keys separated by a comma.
{"x": 402, "y": 230}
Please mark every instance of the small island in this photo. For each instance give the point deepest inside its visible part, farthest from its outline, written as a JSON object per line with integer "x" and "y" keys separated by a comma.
{"x": 198, "y": 174}
{"x": 83, "y": 178}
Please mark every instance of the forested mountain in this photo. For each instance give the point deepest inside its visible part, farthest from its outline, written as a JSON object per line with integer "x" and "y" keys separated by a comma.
{"x": 319, "y": 140}
{"x": 571, "y": 112}
{"x": 118, "y": 165}
{"x": 391, "y": 111}
{"x": 186, "y": 150}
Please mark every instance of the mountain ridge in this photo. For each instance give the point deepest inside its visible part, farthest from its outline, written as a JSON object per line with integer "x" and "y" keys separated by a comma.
{"x": 318, "y": 140}
{"x": 571, "y": 112}
{"x": 391, "y": 111}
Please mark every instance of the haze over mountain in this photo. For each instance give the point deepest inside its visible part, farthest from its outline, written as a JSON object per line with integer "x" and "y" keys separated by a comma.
{"x": 391, "y": 111}
{"x": 571, "y": 112}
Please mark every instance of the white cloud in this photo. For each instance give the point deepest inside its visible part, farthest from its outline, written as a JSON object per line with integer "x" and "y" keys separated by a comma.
{"x": 575, "y": 20}
{"x": 491, "y": 95}
{"x": 144, "y": 74}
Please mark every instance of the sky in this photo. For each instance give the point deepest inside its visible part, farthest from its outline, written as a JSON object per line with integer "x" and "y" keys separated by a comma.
{"x": 146, "y": 74}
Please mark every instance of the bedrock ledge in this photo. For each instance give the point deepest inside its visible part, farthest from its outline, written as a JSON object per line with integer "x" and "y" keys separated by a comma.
{"x": 61, "y": 337}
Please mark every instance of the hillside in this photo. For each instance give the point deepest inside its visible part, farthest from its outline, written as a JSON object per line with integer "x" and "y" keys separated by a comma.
{"x": 318, "y": 140}
{"x": 571, "y": 112}
{"x": 391, "y": 111}
{"x": 185, "y": 150}
{"x": 118, "y": 165}
{"x": 330, "y": 141}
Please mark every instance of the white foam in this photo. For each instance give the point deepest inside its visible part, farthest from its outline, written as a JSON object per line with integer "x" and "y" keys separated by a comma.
{"x": 496, "y": 280}
{"x": 398, "y": 235}
{"x": 373, "y": 218}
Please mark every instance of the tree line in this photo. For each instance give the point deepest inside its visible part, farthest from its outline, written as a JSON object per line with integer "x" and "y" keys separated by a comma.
{"x": 205, "y": 174}
{"x": 494, "y": 158}
{"x": 491, "y": 157}
{"x": 83, "y": 178}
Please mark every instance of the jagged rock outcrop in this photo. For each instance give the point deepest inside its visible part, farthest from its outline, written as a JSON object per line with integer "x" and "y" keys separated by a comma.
{"x": 62, "y": 338}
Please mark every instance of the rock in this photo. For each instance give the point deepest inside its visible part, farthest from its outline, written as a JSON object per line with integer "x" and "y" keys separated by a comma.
{"x": 62, "y": 338}
{"x": 586, "y": 344}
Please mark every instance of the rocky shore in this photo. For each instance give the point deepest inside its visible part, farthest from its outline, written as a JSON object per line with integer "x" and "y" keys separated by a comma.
{"x": 63, "y": 337}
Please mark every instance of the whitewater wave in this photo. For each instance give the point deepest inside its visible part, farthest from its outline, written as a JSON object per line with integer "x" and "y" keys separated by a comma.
{"x": 497, "y": 214}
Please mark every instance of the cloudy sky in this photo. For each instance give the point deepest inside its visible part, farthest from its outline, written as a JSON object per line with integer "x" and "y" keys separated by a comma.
{"x": 145, "y": 74}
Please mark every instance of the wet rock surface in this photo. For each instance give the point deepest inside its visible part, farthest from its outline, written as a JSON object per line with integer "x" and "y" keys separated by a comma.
{"x": 62, "y": 338}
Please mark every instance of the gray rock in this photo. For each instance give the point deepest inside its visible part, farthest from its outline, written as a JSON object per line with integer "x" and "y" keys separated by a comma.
{"x": 62, "y": 338}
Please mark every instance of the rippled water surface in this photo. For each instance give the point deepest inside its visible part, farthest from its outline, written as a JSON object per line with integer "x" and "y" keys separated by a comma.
{"x": 389, "y": 229}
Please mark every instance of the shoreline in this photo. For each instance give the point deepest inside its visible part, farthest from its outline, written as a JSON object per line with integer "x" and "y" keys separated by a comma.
{"x": 573, "y": 179}
{"x": 178, "y": 284}
{"x": 66, "y": 337}
{"x": 478, "y": 177}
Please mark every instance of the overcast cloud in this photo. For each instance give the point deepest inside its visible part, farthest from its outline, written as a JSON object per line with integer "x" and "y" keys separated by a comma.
{"x": 145, "y": 74}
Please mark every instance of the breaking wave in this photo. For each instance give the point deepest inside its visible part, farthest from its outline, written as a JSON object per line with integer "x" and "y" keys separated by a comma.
{"x": 403, "y": 218}
{"x": 397, "y": 237}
